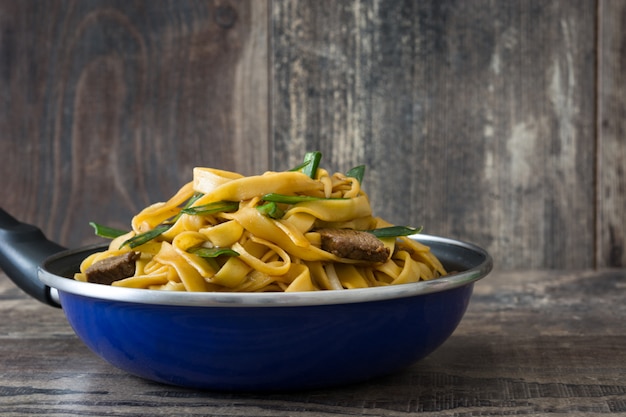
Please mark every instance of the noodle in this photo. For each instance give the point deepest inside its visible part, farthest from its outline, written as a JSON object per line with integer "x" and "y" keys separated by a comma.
{"x": 223, "y": 232}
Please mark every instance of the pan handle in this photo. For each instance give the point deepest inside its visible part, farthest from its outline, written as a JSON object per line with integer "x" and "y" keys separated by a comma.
{"x": 23, "y": 247}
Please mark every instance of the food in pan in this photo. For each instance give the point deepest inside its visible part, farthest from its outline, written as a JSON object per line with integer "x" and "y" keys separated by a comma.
{"x": 298, "y": 230}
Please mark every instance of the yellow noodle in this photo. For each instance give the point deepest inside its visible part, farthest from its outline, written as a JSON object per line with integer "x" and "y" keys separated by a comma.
{"x": 266, "y": 254}
{"x": 350, "y": 276}
{"x": 301, "y": 279}
{"x": 232, "y": 274}
{"x": 153, "y": 215}
{"x": 245, "y": 188}
{"x": 270, "y": 268}
{"x": 335, "y": 210}
{"x": 223, "y": 234}
{"x": 142, "y": 281}
{"x": 192, "y": 280}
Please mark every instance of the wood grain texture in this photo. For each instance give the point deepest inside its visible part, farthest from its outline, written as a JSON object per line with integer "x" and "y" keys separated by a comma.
{"x": 108, "y": 105}
{"x": 611, "y": 134}
{"x": 500, "y": 123}
{"x": 475, "y": 118}
{"x": 531, "y": 343}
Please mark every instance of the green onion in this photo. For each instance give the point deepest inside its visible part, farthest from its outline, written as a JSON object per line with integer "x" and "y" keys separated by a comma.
{"x": 107, "y": 232}
{"x": 293, "y": 199}
{"x": 212, "y": 208}
{"x": 145, "y": 237}
{"x": 191, "y": 200}
{"x": 142, "y": 238}
{"x": 394, "y": 231}
{"x": 300, "y": 167}
{"x": 209, "y": 254}
{"x": 357, "y": 172}
{"x": 312, "y": 161}
{"x": 288, "y": 199}
{"x": 271, "y": 209}
{"x": 212, "y": 252}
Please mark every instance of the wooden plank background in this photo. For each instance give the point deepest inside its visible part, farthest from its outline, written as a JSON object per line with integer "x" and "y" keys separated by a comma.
{"x": 500, "y": 123}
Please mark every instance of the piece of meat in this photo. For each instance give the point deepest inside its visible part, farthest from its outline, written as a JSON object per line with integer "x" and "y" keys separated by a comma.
{"x": 353, "y": 244}
{"x": 112, "y": 269}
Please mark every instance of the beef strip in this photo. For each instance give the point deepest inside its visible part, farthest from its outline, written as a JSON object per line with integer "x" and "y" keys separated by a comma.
{"x": 112, "y": 269}
{"x": 353, "y": 244}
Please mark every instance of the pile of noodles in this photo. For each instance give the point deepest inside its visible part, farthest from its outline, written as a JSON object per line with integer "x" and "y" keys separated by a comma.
{"x": 263, "y": 253}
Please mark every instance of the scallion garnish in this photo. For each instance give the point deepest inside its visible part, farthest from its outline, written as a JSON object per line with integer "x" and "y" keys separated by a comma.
{"x": 209, "y": 254}
{"x": 107, "y": 232}
{"x": 288, "y": 199}
{"x": 293, "y": 199}
{"x": 212, "y": 252}
{"x": 357, "y": 172}
{"x": 212, "y": 208}
{"x": 312, "y": 161}
{"x": 145, "y": 237}
{"x": 271, "y": 209}
{"x": 300, "y": 167}
{"x": 394, "y": 231}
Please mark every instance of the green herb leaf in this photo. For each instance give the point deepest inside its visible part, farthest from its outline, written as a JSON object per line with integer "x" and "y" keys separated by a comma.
{"x": 142, "y": 238}
{"x": 191, "y": 200}
{"x": 395, "y": 231}
{"x": 288, "y": 199}
{"x": 357, "y": 172}
{"x": 271, "y": 209}
{"x": 312, "y": 160}
{"x": 212, "y": 208}
{"x": 300, "y": 167}
{"x": 293, "y": 199}
{"x": 212, "y": 252}
{"x": 107, "y": 232}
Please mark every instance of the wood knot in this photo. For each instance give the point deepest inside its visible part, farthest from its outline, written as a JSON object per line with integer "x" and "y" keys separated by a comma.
{"x": 225, "y": 16}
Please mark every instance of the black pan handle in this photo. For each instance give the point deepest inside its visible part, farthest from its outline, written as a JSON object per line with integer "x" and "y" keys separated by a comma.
{"x": 23, "y": 248}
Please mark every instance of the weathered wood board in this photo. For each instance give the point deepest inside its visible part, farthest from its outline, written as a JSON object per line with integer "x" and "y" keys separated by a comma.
{"x": 107, "y": 106}
{"x": 475, "y": 119}
{"x": 611, "y": 194}
{"x": 499, "y": 123}
{"x": 532, "y": 343}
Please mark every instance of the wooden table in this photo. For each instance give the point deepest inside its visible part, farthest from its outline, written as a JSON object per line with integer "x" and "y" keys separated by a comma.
{"x": 531, "y": 343}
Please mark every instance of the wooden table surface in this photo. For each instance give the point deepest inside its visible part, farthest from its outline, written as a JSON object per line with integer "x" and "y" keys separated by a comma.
{"x": 531, "y": 343}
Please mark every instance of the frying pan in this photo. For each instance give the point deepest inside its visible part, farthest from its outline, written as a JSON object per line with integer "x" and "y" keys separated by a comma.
{"x": 248, "y": 341}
